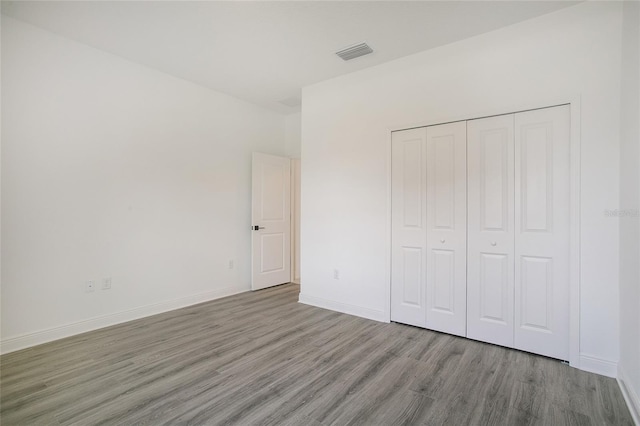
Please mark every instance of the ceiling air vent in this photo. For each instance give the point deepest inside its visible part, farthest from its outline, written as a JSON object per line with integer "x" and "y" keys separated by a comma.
{"x": 354, "y": 51}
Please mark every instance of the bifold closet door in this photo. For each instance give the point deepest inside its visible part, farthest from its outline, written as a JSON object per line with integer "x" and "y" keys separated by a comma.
{"x": 409, "y": 227}
{"x": 447, "y": 228}
{"x": 542, "y": 164}
{"x": 490, "y": 245}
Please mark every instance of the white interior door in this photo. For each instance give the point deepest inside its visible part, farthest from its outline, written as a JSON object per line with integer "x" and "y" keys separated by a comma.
{"x": 490, "y": 251}
{"x": 271, "y": 221}
{"x": 542, "y": 164}
{"x": 408, "y": 216}
{"x": 447, "y": 228}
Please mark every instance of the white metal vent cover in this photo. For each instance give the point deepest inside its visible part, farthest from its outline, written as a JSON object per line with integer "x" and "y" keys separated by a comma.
{"x": 354, "y": 51}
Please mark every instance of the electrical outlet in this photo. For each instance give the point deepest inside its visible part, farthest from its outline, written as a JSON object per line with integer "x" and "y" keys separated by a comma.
{"x": 231, "y": 264}
{"x": 336, "y": 274}
{"x": 106, "y": 283}
{"x": 89, "y": 286}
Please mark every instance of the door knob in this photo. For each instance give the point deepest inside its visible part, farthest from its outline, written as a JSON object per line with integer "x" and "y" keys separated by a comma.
{"x": 494, "y": 243}
{"x": 442, "y": 241}
{"x": 256, "y": 227}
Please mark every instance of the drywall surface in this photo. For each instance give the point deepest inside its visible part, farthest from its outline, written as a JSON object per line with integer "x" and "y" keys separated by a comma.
{"x": 114, "y": 170}
{"x": 573, "y": 54}
{"x": 292, "y": 134}
{"x": 629, "y": 217}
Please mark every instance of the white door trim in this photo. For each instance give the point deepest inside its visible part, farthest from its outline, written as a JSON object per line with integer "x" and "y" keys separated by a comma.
{"x": 294, "y": 189}
{"x": 574, "y": 207}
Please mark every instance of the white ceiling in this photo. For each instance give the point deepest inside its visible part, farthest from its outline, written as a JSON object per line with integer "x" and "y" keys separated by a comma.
{"x": 265, "y": 52}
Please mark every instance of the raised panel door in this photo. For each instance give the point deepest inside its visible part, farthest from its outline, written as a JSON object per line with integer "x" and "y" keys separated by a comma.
{"x": 446, "y": 228}
{"x": 270, "y": 214}
{"x": 490, "y": 246}
{"x": 542, "y": 164}
{"x": 408, "y": 215}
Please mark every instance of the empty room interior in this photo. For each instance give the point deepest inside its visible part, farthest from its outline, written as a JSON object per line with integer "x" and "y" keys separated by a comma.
{"x": 320, "y": 213}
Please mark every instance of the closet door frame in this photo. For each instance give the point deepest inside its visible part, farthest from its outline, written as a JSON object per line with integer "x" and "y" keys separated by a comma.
{"x": 574, "y": 205}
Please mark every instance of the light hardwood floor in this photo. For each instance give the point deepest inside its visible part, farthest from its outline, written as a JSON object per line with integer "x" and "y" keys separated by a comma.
{"x": 262, "y": 358}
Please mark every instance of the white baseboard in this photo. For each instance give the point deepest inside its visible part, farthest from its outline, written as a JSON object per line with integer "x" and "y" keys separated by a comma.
{"x": 597, "y": 365}
{"x": 55, "y": 333}
{"x": 345, "y": 308}
{"x": 630, "y": 395}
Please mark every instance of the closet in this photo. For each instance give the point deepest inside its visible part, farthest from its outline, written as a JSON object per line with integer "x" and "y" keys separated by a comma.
{"x": 480, "y": 229}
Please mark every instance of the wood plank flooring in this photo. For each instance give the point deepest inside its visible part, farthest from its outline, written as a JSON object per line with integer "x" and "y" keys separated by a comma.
{"x": 263, "y": 359}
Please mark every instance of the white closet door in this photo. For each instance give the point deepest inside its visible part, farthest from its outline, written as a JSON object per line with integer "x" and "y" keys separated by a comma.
{"x": 490, "y": 251}
{"x": 409, "y": 227}
{"x": 447, "y": 228}
{"x": 542, "y": 181}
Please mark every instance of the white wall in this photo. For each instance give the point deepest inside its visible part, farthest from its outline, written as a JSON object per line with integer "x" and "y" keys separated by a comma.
{"x": 0, "y": 187}
{"x": 629, "y": 368}
{"x": 293, "y": 135}
{"x": 111, "y": 169}
{"x": 345, "y": 153}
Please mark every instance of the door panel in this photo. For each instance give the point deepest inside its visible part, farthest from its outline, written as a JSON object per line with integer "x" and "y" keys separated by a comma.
{"x": 490, "y": 251}
{"x": 408, "y": 239}
{"x": 270, "y": 211}
{"x": 542, "y": 153}
{"x": 412, "y": 272}
{"x": 536, "y": 285}
{"x": 443, "y": 264}
{"x": 493, "y": 286}
{"x": 272, "y": 258}
{"x": 446, "y": 228}
{"x": 494, "y": 171}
